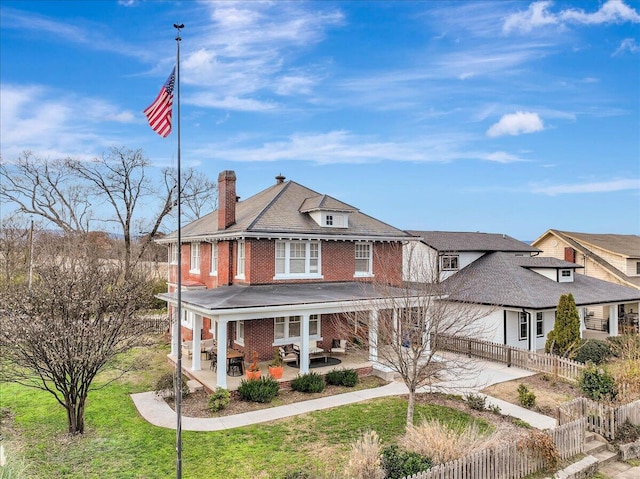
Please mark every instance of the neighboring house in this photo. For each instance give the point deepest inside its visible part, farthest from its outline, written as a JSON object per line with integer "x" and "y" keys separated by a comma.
{"x": 610, "y": 257}
{"x": 518, "y": 290}
{"x": 278, "y": 268}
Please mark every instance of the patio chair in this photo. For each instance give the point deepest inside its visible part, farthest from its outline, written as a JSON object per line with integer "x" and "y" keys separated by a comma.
{"x": 214, "y": 362}
{"x": 187, "y": 348}
{"x": 339, "y": 346}
{"x": 288, "y": 356}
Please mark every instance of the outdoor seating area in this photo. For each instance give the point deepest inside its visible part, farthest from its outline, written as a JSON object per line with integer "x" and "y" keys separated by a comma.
{"x": 206, "y": 346}
{"x": 354, "y": 359}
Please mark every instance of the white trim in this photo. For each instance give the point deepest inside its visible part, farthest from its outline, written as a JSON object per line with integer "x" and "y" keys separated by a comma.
{"x": 285, "y": 248}
{"x": 241, "y": 264}
{"x": 194, "y": 247}
{"x": 213, "y": 264}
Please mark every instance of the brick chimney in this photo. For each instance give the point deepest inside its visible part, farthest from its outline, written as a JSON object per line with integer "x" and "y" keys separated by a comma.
{"x": 226, "y": 199}
{"x": 570, "y": 254}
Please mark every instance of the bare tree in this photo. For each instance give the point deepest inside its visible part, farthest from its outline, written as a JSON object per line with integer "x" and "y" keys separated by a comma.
{"x": 411, "y": 322}
{"x": 69, "y": 193}
{"x": 199, "y": 195}
{"x": 47, "y": 189}
{"x": 77, "y": 317}
{"x": 14, "y": 248}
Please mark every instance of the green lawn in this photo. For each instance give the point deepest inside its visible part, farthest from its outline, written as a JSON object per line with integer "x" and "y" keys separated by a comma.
{"x": 118, "y": 443}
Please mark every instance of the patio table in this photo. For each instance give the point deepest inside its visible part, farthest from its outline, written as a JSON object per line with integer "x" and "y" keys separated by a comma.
{"x": 231, "y": 355}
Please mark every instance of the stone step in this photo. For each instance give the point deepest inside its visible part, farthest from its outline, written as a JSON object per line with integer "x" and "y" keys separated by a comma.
{"x": 605, "y": 457}
{"x": 194, "y": 385}
{"x": 594, "y": 446}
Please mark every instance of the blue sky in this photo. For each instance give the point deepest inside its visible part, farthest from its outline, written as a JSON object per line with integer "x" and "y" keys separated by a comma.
{"x": 501, "y": 117}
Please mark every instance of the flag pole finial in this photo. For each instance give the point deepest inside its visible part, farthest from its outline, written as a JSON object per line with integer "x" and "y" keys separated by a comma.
{"x": 178, "y": 26}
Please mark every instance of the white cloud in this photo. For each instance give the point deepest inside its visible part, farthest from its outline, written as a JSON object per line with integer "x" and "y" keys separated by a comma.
{"x": 628, "y": 44}
{"x": 539, "y": 15}
{"x": 53, "y": 123}
{"x": 210, "y": 100}
{"x": 536, "y": 16}
{"x": 516, "y": 124}
{"x": 613, "y": 11}
{"x": 501, "y": 157}
{"x": 589, "y": 187}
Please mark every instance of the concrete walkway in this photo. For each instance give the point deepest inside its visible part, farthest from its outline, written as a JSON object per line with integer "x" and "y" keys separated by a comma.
{"x": 157, "y": 411}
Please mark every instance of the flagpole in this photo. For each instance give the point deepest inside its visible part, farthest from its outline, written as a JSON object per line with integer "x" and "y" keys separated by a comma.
{"x": 178, "y": 390}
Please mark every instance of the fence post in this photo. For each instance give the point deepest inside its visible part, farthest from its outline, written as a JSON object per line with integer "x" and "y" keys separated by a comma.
{"x": 509, "y": 356}
{"x": 469, "y": 348}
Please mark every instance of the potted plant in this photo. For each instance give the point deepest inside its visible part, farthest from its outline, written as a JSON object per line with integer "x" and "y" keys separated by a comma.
{"x": 276, "y": 366}
{"x": 253, "y": 371}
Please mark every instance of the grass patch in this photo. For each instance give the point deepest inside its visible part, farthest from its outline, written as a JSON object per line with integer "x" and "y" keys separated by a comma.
{"x": 118, "y": 443}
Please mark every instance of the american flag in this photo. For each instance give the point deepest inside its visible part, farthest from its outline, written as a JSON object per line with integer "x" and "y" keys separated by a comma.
{"x": 159, "y": 112}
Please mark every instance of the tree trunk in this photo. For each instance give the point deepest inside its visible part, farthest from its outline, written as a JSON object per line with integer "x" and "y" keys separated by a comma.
{"x": 411, "y": 406}
{"x": 75, "y": 416}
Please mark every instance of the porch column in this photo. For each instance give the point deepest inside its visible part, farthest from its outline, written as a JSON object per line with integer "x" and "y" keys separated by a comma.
{"x": 197, "y": 334}
{"x": 396, "y": 327}
{"x": 304, "y": 344}
{"x": 613, "y": 320}
{"x": 175, "y": 324}
{"x": 582, "y": 326}
{"x": 532, "y": 332}
{"x": 373, "y": 335}
{"x": 221, "y": 341}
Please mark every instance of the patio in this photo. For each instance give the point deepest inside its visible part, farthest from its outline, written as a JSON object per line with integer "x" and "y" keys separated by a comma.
{"x": 207, "y": 377}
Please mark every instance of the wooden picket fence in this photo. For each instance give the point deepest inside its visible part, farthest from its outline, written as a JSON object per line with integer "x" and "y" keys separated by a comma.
{"x": 155, "y": 323}
{"x": 601, "y": 418}
{"x": 510, "y": 461}
{"x": 558, "y": 367}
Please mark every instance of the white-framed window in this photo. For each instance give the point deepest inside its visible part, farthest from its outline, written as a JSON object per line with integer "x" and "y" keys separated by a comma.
{"x": 194, "y": 266}
{"x": 363, "y": 259}
{"x": 449, "y": 262}
{"x": 328, "y": 220}
{"x": 240, "y": 332}
{"x": 174, "y": 253}
{"x": 523, "y": 330}
{"x": 214, "y": 259}
{"x": 566, "y": 275}
{"x": 297, "y": 259}
{"x": 287, "y": 328}
{"x": 187, "y": 318}
{"x": 240, "y": 268}
{"x": 539, "y": 325}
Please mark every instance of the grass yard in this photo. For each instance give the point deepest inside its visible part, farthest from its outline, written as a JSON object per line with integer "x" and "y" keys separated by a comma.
{"x": 118, "y": 443}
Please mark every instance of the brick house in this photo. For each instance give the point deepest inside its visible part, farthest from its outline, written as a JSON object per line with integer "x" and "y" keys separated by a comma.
{"x": 278, "y": 268}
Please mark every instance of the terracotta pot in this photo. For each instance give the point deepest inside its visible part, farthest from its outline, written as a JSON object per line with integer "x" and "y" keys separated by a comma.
{"x": 253, "y": 374}
{"x": 276, "y": 372}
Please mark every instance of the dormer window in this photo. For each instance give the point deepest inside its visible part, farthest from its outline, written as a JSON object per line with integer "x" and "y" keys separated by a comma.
{"x": 334, "y": 220}
{"x": 566, "y": 276}
{"x": 450, "y": 262}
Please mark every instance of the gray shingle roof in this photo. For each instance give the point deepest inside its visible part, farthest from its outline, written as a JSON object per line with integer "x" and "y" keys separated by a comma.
{"x": 240, "y": 296}
{"x": 279, "y": 210}
{"x": 460, "y": 241}
{"x": 625, "y": 245}
{"x": 503, "y": 279}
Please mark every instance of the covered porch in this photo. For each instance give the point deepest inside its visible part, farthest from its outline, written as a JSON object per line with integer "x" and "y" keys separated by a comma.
{"x": 264, "y": 317}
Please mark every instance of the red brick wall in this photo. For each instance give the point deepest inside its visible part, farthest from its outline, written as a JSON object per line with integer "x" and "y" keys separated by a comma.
{"x": 338, "y": 263}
